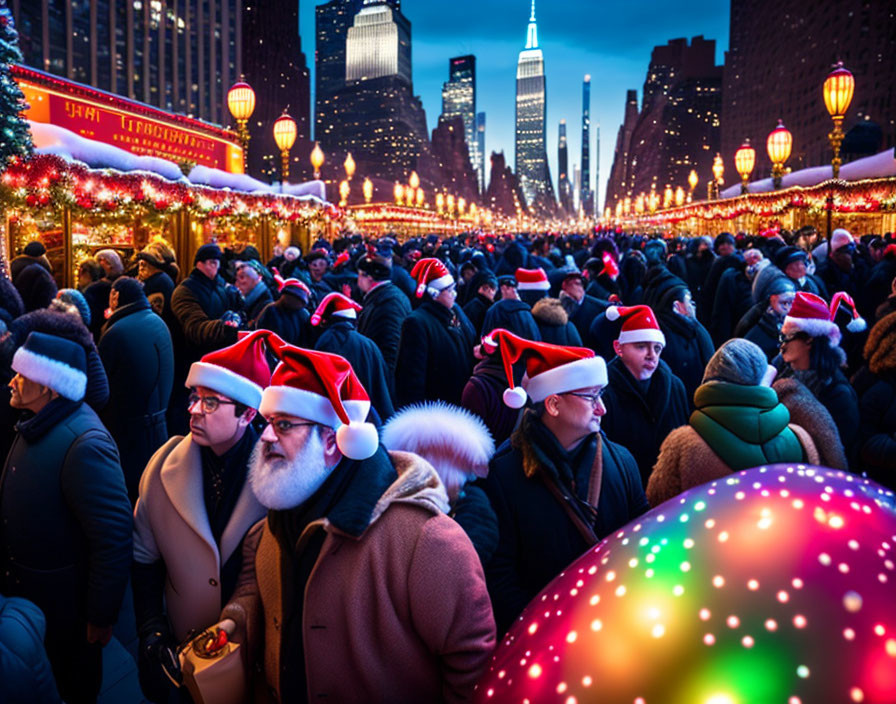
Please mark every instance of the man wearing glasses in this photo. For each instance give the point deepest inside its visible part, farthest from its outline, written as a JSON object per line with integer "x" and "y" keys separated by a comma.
{"x": 557, "y": 485}
{"x": 356, "y": 587}
{"x": 195, "y": 508}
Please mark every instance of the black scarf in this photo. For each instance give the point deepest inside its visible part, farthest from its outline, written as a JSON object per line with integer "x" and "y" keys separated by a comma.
{"x": 34, "y": 428}
{"x": 570, "y": 467}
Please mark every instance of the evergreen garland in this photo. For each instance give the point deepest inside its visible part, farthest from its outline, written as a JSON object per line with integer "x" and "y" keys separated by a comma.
{"x": 15, "y": 134}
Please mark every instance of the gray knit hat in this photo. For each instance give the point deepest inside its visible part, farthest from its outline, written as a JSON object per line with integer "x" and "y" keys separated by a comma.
{"x": 738, "y": 361}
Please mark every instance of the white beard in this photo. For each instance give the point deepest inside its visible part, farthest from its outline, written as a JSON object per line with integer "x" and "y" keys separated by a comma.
{"x": 281, "y": 484}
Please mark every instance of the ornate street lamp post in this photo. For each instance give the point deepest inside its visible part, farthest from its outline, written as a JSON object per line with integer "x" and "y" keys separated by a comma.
{"x": 317, "y": 159}
{"x": 344, "y": 190}
{"x": 693, "y": 180}
{"x": 779, "y": 144}
{"x": 285, "y": 137}
{"x": 367, "y": 189}
{"x": 241, "y": 103}
{"x": 349, "y": 166}
{"x": 838, "y": 90}
{"x": 744, "y": 162}
{"x": 718, "y": 170}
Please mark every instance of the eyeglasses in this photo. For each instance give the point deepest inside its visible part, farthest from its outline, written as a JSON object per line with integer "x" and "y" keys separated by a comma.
{"x": 593, "y": 399}
{"x": 783, "y": 339}
{"x": 208, "y": 404}
{"x": 282, "y": 426}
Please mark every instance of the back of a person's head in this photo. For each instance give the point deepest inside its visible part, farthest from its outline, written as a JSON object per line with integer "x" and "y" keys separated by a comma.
{"x": 738, "y": 361}
{"x": 112, "y": 258}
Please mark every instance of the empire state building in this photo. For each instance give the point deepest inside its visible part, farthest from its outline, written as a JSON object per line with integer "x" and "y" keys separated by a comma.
{"x": 531, "y": 126}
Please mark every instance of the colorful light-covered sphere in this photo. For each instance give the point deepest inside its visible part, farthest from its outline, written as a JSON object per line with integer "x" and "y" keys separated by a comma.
{"x": 775, "y": 584}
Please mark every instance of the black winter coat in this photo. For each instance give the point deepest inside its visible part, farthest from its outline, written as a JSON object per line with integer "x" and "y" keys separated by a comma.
{"x": 66, "y": 524}
{"x": 24, "y": 669}
{"x": 537, "y": 539}
{"x": 198, "y": 304}
{"x": 484, "y": 396}
{"x": 765, "y": 334}
{"x": 293, "y": 325}
{"x": 136, "y": 351}
{"x": 554, "y": 325}
{"x": 877, "y": 425}
{"x": 641, "y": 422}
{"x": 475, "y": 309}
{"x": 158, "y": 289}
{"x": 436, "y": 355}
{"x": 688, "y": 349}
{"x": 584, "y": 313}
{"x": 710, "y": 286}
{"x": 734, "y": 297}
{"x": 513, "y": 315}
{"x": 385, "y": 309}
{"x": 340, "y": 337}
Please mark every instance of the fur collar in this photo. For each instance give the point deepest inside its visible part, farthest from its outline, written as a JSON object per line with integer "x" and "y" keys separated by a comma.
{"x": 550, "y": 311}
{"x": 417, "y": 484}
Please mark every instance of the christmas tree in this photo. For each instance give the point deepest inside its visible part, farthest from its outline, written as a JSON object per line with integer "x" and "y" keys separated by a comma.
{"x": 15, "y": 135}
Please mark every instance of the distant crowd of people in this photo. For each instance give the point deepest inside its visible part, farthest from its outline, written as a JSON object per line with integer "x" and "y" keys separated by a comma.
{"x": 362, "y": 462}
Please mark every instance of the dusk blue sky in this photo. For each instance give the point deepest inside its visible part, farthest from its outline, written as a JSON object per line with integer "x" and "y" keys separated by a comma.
{"x": 611, "y": 40}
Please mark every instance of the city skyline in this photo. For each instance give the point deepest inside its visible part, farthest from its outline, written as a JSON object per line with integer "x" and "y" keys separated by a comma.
{"x": 577, "y": 36}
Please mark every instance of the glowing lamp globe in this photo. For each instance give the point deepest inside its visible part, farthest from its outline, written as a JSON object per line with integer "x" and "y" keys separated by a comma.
{"x": 284, "y": 132}
{"x": 693, "y": 179}
{"x": 779, "y": 144}
{"x": 775, "y": 584}
{"x": 679, "y": 196}
{"x": 367, "y": 190}
{"x": 718, "y": 168}
{"x": 745, "y": 160}
{"x": 414, "y": 180}
{"x": 838, "y": 90}
{"x": 421, "y": 197}
{"x": 241, "y": 101}
{"x": 399, "y": 193}
{"x": 317, "y": 158}
{"x": 349, "y": 165}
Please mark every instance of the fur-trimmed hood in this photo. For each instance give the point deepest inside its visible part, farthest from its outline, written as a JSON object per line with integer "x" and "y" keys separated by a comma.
{"x": 550, "y": 311}
{"x": 417, "y": 483}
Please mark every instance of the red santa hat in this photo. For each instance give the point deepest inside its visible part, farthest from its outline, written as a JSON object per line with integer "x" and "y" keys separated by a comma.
{"x": 550, "y": 369}
{"x": 638, "y": 324}
{"x": 322, "y": 388}
{"x": 840, "y": 238}
{"x": 335, "y": 304}
{"x": 239, "y": 372}
{"x": 292, "y": 286}
{"x": 810, "y": 314}
{"x": 843, "y": 300}
{"x": 532, "y": 279}
{"x": 432, "y": 276}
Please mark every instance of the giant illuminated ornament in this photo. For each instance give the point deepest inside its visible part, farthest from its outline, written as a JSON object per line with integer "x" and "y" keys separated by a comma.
{"x": 772, "y": 585}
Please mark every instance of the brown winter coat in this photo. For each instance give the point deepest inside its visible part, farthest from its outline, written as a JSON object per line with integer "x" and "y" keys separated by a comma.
{"x": 399, "y": 614}
{"x": 170, "y": 523}
{"x": 807, "y": 412}
{"x": 686, "y": 461}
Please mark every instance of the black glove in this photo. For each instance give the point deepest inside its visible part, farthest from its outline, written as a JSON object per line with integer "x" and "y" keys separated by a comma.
{"x": 157, "y": 663}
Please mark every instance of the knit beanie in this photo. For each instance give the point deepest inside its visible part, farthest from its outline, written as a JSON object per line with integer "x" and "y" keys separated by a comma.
{"x": 34, "y": 249}
{"x": 129, "y": 290}
{"x": 738, "y": 361}
{"x": 75, "y": 298}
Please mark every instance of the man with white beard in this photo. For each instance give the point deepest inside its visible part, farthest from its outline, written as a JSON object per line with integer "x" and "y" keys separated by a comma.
{"x": 356, "y": 587}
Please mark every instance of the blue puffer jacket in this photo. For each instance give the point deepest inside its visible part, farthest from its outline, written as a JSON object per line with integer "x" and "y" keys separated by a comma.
{"x": 24, "y": 669}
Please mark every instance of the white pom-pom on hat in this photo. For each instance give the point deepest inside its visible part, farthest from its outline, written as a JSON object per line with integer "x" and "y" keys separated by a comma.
{"x": 357, "y": 440}
{"x": 515, "y": 397}
{"x": 612, "y": 313}
{"x": 857, "y": 325}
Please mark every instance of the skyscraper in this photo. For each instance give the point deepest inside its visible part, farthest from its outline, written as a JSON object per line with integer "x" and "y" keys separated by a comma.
{"x": 531, "y": 126}
{"x": 563, "y": 185}
{"x": 480, "y": 145}
{"x": 331, "y": 20}
{"x": 459, "y": 100}
{"x": 375, "y": 115}
{"x": 180, "y": 58}
{"x": 587, "y": 196}
{"x": 274, "y": 65}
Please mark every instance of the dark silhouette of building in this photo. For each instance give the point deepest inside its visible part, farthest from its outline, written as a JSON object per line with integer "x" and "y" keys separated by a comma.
{"x": 181, "y": 57}
{"x": 449, "y": 150}
{"x": 332, "y": 20}
{"x": 480, "y": 143}
{"x": 677, "y": 128}
{"x": 275, "y": 66}
{"x": 778, "y": 58}
{"x": 620, "y": 180}
{"x": 504, "y": 195}
{"x": 586, "y": 196}
{"x": 564, "y": 187}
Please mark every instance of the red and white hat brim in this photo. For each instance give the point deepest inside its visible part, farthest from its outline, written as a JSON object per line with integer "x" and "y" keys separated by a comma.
{"x": 814, "y": 327}
{"x": 533, "y": 286}
{"x": 300, "y": 403}
{"x": 581, "y": 374}
{"x": 225, "y": 382}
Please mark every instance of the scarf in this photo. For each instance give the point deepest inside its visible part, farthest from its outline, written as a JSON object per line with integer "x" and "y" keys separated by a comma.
{"x": 56, "y": 411}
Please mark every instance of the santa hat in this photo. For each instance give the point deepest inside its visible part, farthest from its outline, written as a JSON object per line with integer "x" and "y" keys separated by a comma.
{"x": 532, "y": 280}
{"x": 840, "y": 238}
{"x": 290, "y": 254}
{"x": 638, "y": 324}
{"x": 432, "y": 276}
{"x": 292, "y": 286}
{"x": 239, "y": 372}
{"x": 550, "y": 369}
{"x": 342, "y": 258}
{"x": 335, "y": 304}
{"x": 54, "y": 362}
{"x": 448, "y": 437}
{"x": 322, "y": 388}
{"x": 811, "y": 315}
{"x": 843, "y": 301}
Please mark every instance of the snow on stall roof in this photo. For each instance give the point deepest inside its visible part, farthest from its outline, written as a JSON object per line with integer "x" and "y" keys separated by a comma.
{"x": 52, "y": 139}
{"x": 877, "y": 166}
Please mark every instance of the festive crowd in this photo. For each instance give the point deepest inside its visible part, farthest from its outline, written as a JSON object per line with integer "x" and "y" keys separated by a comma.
{"x": 342, "y": 474}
